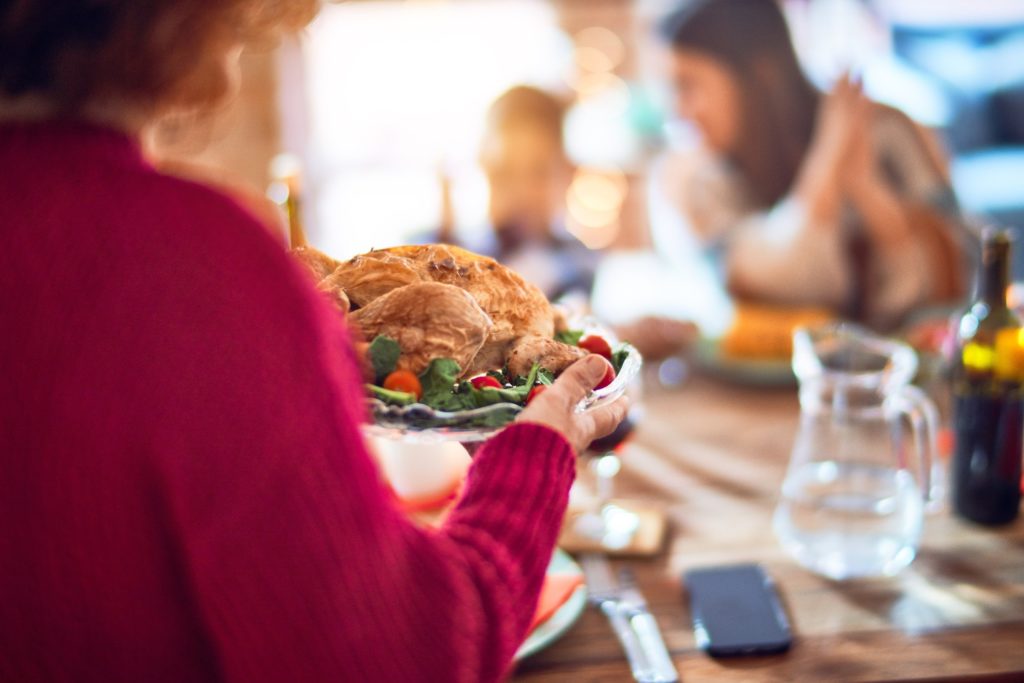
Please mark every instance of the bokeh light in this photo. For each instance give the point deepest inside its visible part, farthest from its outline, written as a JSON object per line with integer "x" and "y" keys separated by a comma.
{"x": 594, "y": 205}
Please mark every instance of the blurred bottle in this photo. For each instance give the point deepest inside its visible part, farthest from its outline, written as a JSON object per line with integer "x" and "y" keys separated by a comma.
{"x": 988, "y": 401}
{"x": 285, "y": 190}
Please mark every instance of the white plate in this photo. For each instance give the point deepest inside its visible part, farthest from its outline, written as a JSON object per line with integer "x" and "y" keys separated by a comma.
{"x": 564, "y": 617}
{"x": 759, "y": 372}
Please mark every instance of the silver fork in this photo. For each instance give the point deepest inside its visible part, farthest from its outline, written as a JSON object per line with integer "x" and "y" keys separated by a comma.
{"x": 605, "y": 592}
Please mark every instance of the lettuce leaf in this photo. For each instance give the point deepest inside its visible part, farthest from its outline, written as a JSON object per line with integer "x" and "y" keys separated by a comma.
{"x": 384, "y": 352}
{"x": 570, "y": 337}
{"x": 440, "y": 390}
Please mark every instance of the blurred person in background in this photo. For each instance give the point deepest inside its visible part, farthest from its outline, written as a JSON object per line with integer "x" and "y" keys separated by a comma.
{"x": 186, "y": 493}
{"x": 805, "y": 199}
{"x": 528, "y": 175}
{"x": 528, "y": 172}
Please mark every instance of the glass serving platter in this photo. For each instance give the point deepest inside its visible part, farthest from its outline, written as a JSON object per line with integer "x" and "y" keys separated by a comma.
{"x": 421, "y": 423}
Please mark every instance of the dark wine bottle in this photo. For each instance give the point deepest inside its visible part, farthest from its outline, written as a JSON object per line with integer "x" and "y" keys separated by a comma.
{"x": 988, "y": 401}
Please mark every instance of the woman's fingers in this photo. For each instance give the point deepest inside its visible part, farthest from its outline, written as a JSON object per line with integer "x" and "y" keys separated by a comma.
{"x": 842, "y": 86}
{"x": 846, "y": 117}
{"x": 556, "y": 406}
{"x": 580, "y": 378}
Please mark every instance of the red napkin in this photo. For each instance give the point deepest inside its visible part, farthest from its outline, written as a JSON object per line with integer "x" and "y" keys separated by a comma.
{"x": 556, "y": 590}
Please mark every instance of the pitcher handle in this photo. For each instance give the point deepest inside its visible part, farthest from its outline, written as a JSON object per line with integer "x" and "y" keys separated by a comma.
{"x": 924, "y": 420}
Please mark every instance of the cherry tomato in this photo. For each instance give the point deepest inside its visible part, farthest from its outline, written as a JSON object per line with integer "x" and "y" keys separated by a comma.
{"x": 609, "y": 377}
{"x": 484, "y": 381}
{"x": 535, "y": 392}
{"x": 598, "y": 345}
{"x": 403, "y": 380}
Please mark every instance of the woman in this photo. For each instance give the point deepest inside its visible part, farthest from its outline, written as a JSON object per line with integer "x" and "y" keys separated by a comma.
{"x": 185, "y": 493}
{"x": 805, "y": 199}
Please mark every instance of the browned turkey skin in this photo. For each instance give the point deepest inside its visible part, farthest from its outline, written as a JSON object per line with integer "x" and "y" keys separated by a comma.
{"x": 477, "y": 312}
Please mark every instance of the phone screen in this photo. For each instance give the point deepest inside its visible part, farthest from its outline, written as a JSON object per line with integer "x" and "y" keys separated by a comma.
{"x": 736, "y": 611}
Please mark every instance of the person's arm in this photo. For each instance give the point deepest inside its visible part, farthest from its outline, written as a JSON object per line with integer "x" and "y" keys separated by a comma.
{"x": 790, "y": 253}
{"x": 298, "y": 564}
{"x": 795, "y": 252}
{"x": 901, "y": 276}
{"x": 782, "y": 255}
{"x": 903, "y": 205}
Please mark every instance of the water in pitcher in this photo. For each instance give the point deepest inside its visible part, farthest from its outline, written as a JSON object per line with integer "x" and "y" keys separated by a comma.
{"x": 850, "y": 519}
{"x": 853, "y": 498}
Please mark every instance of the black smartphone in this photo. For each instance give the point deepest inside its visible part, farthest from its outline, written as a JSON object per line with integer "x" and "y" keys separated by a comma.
{"x": 736, "y": 611}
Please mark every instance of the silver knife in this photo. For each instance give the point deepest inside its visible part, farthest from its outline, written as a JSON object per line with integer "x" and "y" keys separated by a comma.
{"x": 646, "y": 629}
{"x": 633, "y": 624}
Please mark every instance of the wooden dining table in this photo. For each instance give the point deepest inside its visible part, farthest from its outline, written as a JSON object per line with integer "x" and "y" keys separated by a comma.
{"x": 712, "y": 457}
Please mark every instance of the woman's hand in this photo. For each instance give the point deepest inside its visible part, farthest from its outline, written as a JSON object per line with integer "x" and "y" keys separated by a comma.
{"x": 843, "y": 165}
{"x": 840, "y": 150}
{"x": 556, "y": 406}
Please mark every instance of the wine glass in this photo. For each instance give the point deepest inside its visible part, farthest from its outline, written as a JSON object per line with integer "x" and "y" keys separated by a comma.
{"x": 608, "y": 523}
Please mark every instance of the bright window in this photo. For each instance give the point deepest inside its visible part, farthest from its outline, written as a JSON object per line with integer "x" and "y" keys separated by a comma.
{"x": 397, "y": 95}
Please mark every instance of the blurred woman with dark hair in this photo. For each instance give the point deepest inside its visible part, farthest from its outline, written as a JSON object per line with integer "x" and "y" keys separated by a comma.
{"x": 186, "y": 495}
{"x": 805, "y": 199}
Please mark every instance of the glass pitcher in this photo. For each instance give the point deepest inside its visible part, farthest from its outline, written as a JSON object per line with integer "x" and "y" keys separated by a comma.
{"x": 852, "y": 503}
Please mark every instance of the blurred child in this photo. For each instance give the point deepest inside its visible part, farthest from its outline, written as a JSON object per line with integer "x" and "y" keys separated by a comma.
{"x": 528, "y": 174}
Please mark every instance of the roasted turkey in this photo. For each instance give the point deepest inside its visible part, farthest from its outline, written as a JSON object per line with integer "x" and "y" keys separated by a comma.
{"x": 409, "y": 315}
{"x": 440, "y": 301}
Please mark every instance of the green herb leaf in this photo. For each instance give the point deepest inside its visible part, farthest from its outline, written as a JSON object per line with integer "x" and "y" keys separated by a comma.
{"x": 384, "y": 352}
{"x": 516, "y": 394}
{"x": 439, "y": 386}
{"x": 496, "y": 418}
{"x": 489, "y": 396}
{"x": 527, "y": 380}
{"x": 521, "y": 385}
{"x": 570, "y": 337}
{"x": 618, "y": 359}
{"x": 393, "y": 397}
{"x": 531, "y": 379}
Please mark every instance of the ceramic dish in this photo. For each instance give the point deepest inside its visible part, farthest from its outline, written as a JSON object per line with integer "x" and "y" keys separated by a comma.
{"x": 564, "y": 617}
{"x": 761, "y": 372}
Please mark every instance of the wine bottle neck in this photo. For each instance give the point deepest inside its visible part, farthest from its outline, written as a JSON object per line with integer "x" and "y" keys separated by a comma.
{"x": 995, "y": 274}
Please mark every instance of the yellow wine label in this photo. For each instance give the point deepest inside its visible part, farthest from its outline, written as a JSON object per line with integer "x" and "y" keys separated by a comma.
{"x": 980, "y": 358}
{"x": 1004, "y": 361}
{"x": 1009, "y": 354}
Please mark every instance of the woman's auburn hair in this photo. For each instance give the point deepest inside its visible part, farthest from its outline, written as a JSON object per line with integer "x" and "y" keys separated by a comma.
{"x": 156, "y": 53}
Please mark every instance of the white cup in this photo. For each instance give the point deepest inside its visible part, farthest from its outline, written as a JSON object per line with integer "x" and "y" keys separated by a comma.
{"x": 419, "y": 471}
